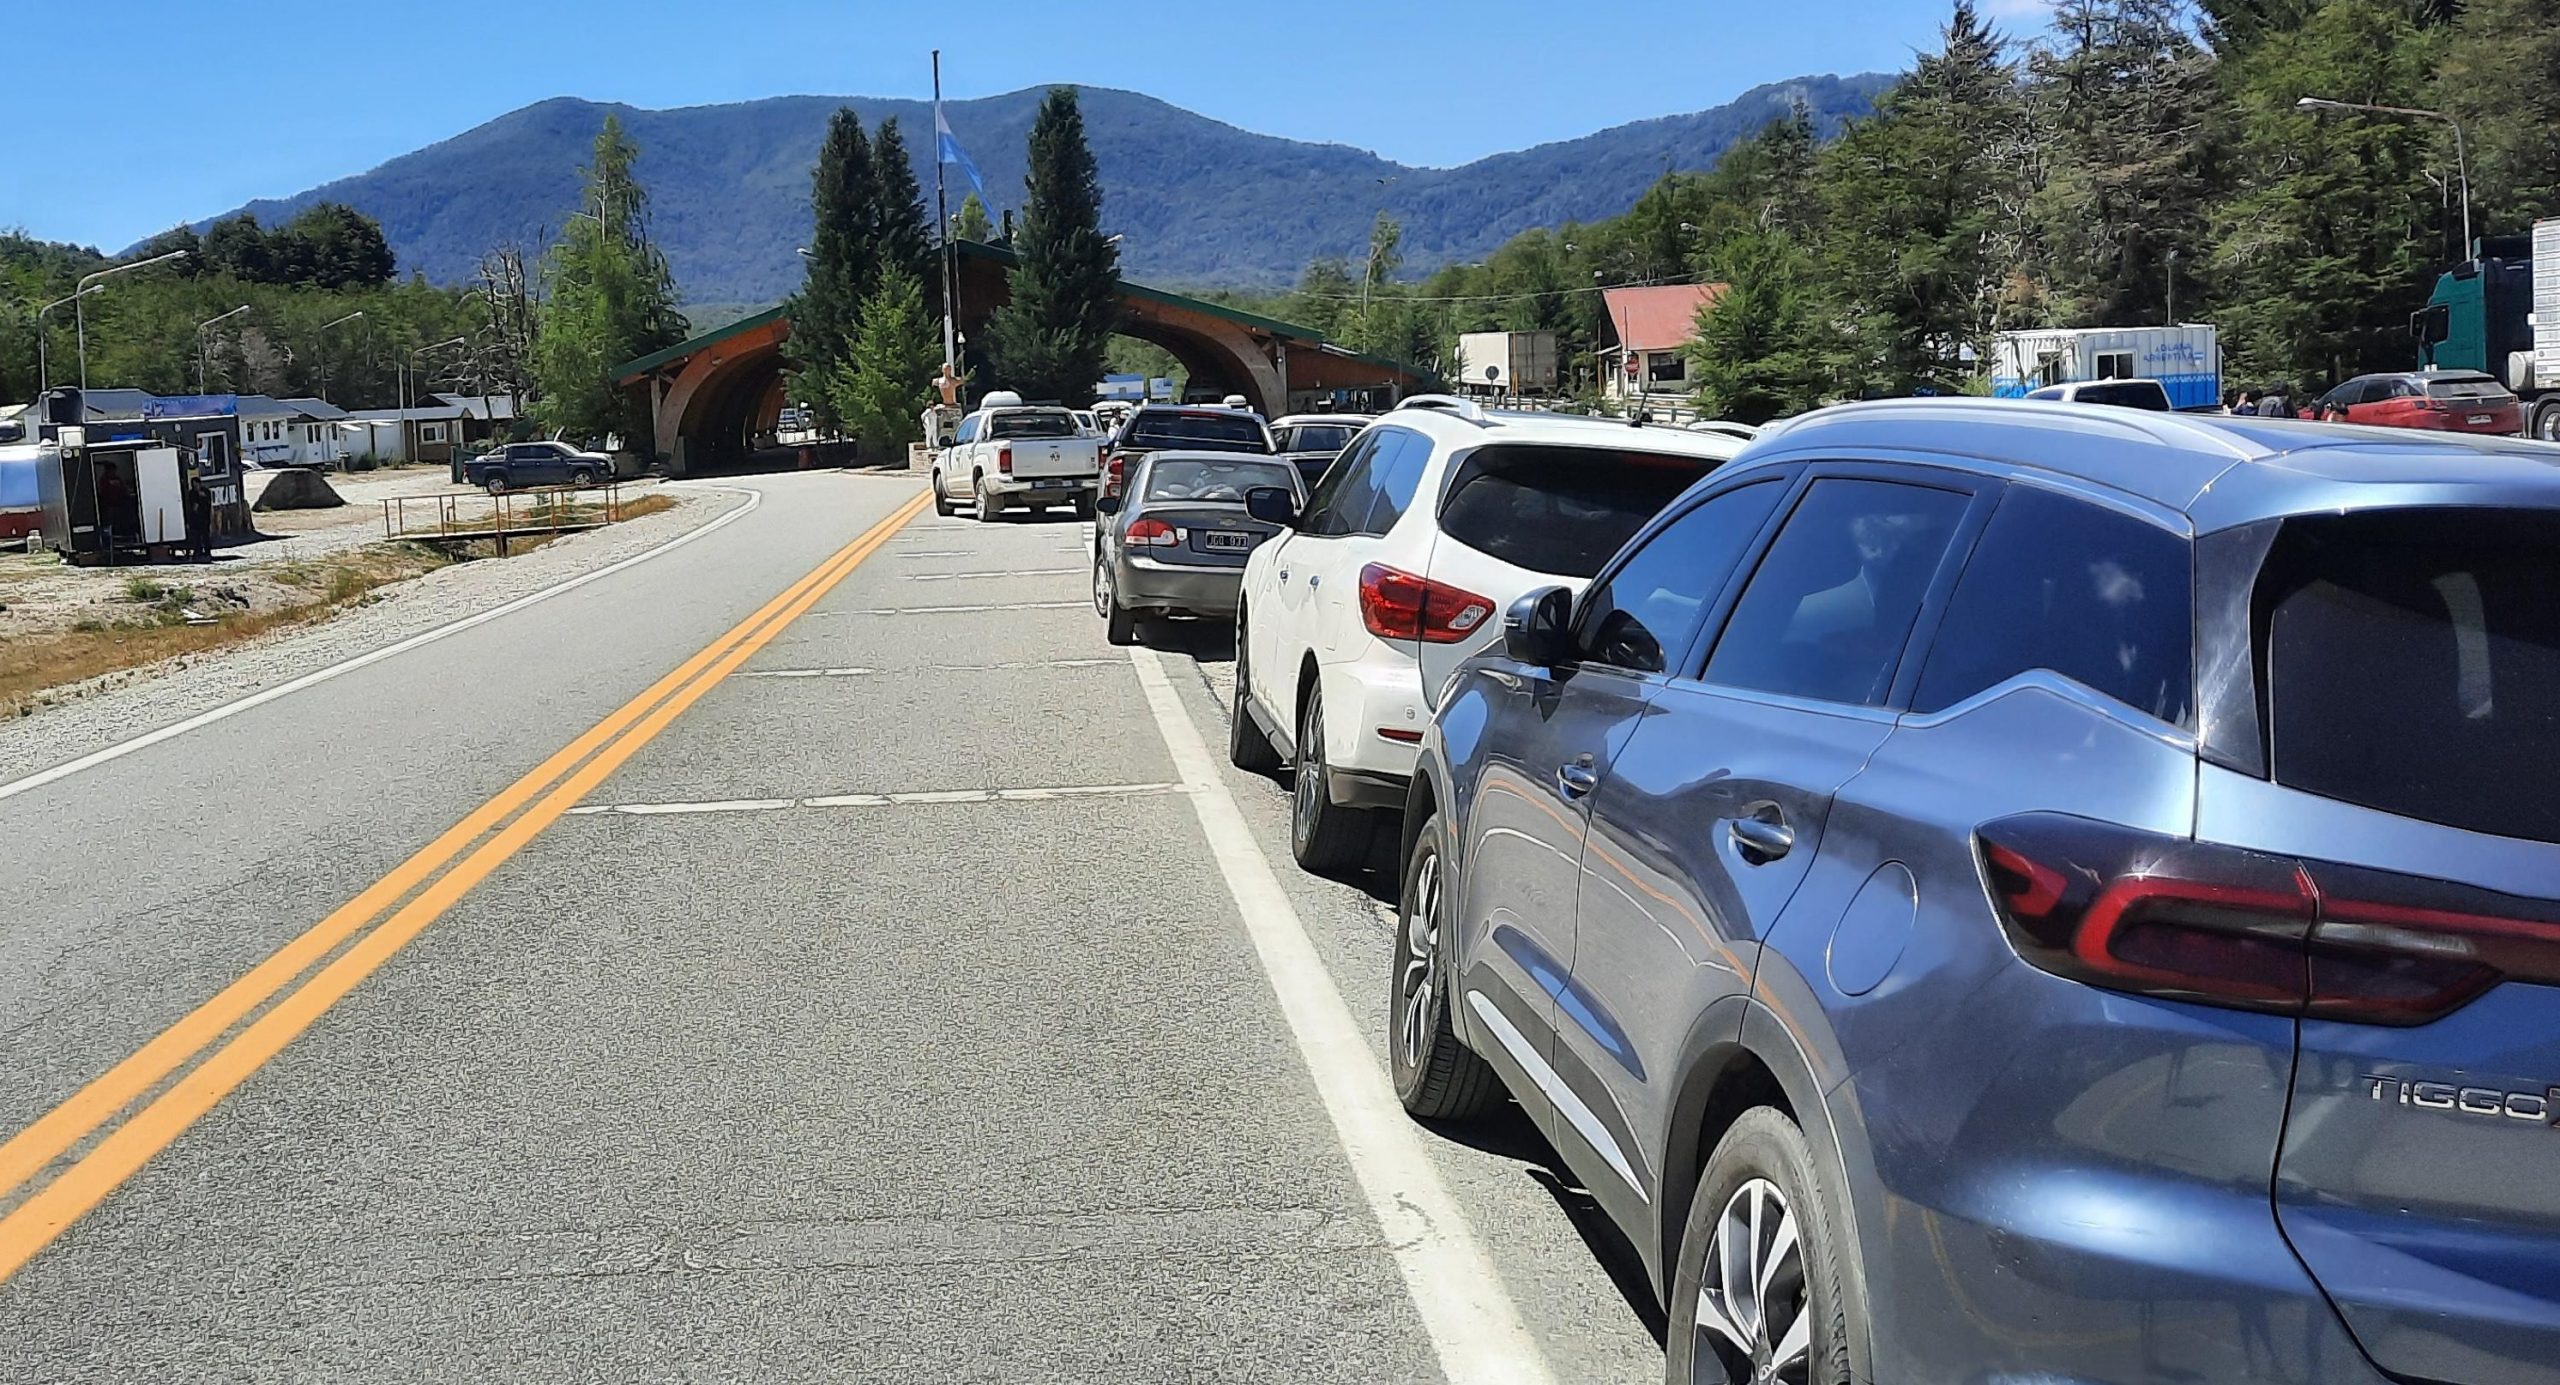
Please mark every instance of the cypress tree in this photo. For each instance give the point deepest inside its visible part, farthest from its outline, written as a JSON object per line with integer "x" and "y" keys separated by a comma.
{"x": 1050, "y": 340}
{"x": 900, "y": 214}
{"x": 843, "y": 259}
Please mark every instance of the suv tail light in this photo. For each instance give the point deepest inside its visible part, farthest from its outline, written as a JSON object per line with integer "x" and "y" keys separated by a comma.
{"x": 1004, "y": 458}
{"x": 1115, "y": 472}
{"x": 1152, "y": 533}
{"x": 1396, "y": 605}
{"x": 2219, "y": 925}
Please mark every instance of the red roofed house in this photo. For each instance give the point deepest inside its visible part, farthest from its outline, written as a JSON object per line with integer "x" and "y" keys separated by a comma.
{"x": 1642, "y": 331}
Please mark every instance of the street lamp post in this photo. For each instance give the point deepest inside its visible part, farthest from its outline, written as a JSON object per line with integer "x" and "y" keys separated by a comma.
{"x": 44, "y": 372}
{"x": 324, "y": 358}
{"x": 80, "y": 316}
{"x": 408, "y": 381}
{"x": 2461, "y": 152}
{"x": 203, "y": 353}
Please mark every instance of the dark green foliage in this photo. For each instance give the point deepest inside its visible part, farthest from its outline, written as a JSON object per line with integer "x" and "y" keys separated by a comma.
{"x": 904, "y": 243}
{"x": 608, "y": 299}
{"x": 1049, "y": 339}
{"x": 2501, "y": 78}
{"x": 327, "y": 245}
{"x": 1202, "y": 202}
{"x": 972, "y": 221}
{"x": 843, "y": 260}
{"x": 880, "y": 389}
{"x": 1758, "y": 355}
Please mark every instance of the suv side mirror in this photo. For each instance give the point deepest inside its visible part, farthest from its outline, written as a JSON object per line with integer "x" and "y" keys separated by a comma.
{"x": 1537, "y": 630}
{"x": 1272, "y": 505}
{"x": 1107, "y": 506}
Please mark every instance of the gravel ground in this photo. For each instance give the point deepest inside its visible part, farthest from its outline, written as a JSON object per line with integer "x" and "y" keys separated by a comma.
{"x": 139, "y": 699}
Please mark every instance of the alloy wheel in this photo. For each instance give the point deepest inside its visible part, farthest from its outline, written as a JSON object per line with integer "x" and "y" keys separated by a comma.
{"x": 1752, "y": 1299}
{"x": 1101, "y": 590}
{"x": 1309, "y": 783}
{"x": 1419, "y": 983}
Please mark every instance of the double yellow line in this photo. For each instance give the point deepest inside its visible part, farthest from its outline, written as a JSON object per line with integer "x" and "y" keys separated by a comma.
{"x": 421, "y": 888}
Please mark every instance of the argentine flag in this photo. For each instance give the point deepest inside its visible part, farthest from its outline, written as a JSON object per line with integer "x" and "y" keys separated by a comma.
{"x": 948, "y": 150}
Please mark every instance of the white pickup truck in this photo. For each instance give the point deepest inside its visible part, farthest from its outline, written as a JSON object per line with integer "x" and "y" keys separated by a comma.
{"x": 1012, "y": 455}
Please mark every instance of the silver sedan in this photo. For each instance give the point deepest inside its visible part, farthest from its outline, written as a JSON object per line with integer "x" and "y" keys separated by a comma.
{"x": 1175, "y": 542}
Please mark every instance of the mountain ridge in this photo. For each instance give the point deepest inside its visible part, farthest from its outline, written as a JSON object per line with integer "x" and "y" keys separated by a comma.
{"x": 1203, "y": 202}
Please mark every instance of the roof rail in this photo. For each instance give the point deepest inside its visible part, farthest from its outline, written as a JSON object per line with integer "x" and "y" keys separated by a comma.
{"x": 1467, "y": 409}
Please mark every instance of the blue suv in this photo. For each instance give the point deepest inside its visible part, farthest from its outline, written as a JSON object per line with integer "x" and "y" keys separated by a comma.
{"x": 2008, "y": 892}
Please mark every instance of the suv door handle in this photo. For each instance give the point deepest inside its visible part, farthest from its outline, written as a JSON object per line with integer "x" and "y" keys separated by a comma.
{"x": 1762, "y": 837}
{"x": 1577, "y": 778}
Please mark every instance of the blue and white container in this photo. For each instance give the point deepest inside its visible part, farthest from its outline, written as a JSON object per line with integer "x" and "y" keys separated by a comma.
{"x": 2186, "y": 359}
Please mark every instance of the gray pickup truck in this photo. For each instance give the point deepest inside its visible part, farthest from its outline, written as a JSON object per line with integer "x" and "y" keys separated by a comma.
{"x": 524, "y": 465}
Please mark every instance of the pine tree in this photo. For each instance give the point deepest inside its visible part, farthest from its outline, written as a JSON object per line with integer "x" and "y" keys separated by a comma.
{"x": 881, "y": 387}
{"x": 843, "y": 260}
{"x": 610, "y": 299}
{"x": 1758, "y": 353}
{"x": 1049, "y": 340}
{"x": 900, "y": 215}
{"x": 973, "y": 223}
{"x": 2501, "y": 78}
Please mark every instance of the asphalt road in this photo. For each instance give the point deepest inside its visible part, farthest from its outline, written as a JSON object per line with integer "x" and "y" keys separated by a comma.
{"x": 921, "y": 998}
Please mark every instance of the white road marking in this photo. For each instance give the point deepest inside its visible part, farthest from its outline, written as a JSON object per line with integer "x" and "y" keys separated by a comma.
{"x": 956, "y": 610}
{"x": 234, "y": 708}
{"x": 885, "y": 800}
{"x": 860, "y": 672}
{"x": 965, "y": 576}
{"x": 1463, "y": 1304}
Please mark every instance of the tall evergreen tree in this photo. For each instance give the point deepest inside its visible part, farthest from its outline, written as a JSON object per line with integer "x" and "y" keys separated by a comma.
{"x": 2501, "y": 78}
{"x": 1049, "y": 340}
{"x": 2322, "y": 258}
{"x": 881, "y": 387}
{"x": 610, "y": 298}
{"x": 973, "y": 223}
{"x": 843, "y": 261}
{"x": 1757, "y": 355}
{"x": 900, "y": 214}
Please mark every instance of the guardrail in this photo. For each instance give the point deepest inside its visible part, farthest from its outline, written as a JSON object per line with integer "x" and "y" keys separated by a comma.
{"x": 459, "y": 517}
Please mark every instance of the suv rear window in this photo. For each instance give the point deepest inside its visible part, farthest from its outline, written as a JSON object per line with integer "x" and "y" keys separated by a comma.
{"x": 2465, "y": 387}
{"x": 1210, "y": 432}
{"x": 2144, "y": 394}
{"x": 1561, "y": 510}
{"x": 2411, "y": 663}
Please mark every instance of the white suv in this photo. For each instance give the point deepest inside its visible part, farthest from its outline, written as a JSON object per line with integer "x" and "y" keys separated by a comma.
{"x": 1431, "y": 523}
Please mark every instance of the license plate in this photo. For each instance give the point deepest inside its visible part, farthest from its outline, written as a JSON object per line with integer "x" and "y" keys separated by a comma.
{"x": 1226, "y": 539}
{"x": 2482, "y": 418}
{"x": 1053, "y": 483}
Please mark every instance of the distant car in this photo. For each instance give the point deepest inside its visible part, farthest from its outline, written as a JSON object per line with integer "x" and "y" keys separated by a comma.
{"x": 520, "y": 465}
{"x": 1180, "y": 427}
{"x": 2445, "y": 401}
{"x": 1312, "y": 441}
{"x": 1086, "y": 420}
{"x": 1177, "y": 542}
{"x": 2124, "y": 394}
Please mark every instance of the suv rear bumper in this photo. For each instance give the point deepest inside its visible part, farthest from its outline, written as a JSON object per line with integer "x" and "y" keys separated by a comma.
{"x": 1362, "y": 700}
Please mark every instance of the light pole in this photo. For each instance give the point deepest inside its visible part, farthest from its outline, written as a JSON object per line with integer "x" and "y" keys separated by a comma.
{"x": 2461, "y": 153}
{"x": 2173, "y": 286}
{"x": 408, "y": 382}
{"x": 324, "y": 358}
{"x": 79, "y": 314}
{"x": 44, "y": 375}
{"x": 202, "y": 351}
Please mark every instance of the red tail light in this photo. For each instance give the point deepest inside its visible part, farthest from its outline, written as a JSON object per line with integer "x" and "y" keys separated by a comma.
{"x": 1116, "y": 472}
{"x": 1396, "y": 605}
{"x": 2217, "y": 925}
{"x": 1152, "y": 533}
{"x": 1004, "y": 458}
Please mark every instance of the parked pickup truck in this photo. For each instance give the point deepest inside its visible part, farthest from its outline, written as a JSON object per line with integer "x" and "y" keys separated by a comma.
{"x": 522, "y": 465}
{"x": 1010, "y": 454}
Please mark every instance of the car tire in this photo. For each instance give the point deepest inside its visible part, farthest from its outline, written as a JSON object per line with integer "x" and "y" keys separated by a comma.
{"x": 2546, "y": 421}
{"x": 1247, "y": 748}
{"x": 988, "y": 506}
{"x": 1118, "y": 625}
{"x": 942, "y": 505}
{"x": 1758, "y": 1185}
{"x": 1324, "y": 836}
{"x": 496, "y": 482}
{"x": 1436, "y": 1077}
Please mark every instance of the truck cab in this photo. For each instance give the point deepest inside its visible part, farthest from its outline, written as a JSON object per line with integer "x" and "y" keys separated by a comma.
{"x": 2495, "y": 314}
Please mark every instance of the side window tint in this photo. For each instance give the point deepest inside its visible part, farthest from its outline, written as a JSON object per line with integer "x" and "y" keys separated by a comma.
{"x": 1828, "y": 612}
{"x": 1644, "y": 614}
{"x": 968, "y": 429}
{"x": 1396, "y": 472}
{"x": 1344, "y": 492}
{"x": 2101, "y": 598}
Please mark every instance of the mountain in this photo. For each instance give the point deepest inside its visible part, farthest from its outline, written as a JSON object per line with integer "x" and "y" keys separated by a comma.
{"x": 1202, "y": 203}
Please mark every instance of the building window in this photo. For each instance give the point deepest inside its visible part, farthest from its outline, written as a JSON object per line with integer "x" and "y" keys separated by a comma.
{"x": 1667, "y": 368}
{"x": 2115, "y": 365}
{"x": 431, "y": 432}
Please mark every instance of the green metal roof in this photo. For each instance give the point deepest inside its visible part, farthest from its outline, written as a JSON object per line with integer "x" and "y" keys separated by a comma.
{"x": 683, "y": 349}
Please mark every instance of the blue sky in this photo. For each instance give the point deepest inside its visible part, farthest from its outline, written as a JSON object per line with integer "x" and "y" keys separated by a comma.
{"x": 255, "y": 98}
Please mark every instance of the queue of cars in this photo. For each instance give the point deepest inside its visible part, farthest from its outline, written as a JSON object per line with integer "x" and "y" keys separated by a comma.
{"x": 1975, "y": 891}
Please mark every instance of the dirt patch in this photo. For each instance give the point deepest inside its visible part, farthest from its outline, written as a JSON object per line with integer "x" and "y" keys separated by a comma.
{"x": 137, "y": 617}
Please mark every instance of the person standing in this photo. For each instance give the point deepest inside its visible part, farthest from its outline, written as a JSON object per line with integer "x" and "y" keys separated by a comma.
{"x": 199, "y": 510}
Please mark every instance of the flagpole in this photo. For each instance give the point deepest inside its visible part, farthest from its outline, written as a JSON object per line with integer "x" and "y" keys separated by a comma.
{"x": 942, "y": 232}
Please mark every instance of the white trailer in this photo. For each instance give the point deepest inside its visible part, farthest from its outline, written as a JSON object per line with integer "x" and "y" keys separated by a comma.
{"x": 2186, "y": 359}
{"x": 1508, "y": 362}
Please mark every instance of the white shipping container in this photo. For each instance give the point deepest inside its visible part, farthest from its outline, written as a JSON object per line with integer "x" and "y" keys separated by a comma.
{"x": 2186, "y": 359}
{"x": 1508, "y": 361}
{"x": 2546, "y": 304}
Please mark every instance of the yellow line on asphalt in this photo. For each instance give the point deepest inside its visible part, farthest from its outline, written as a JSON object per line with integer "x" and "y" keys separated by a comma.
{"x": 53, "y": 1208}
